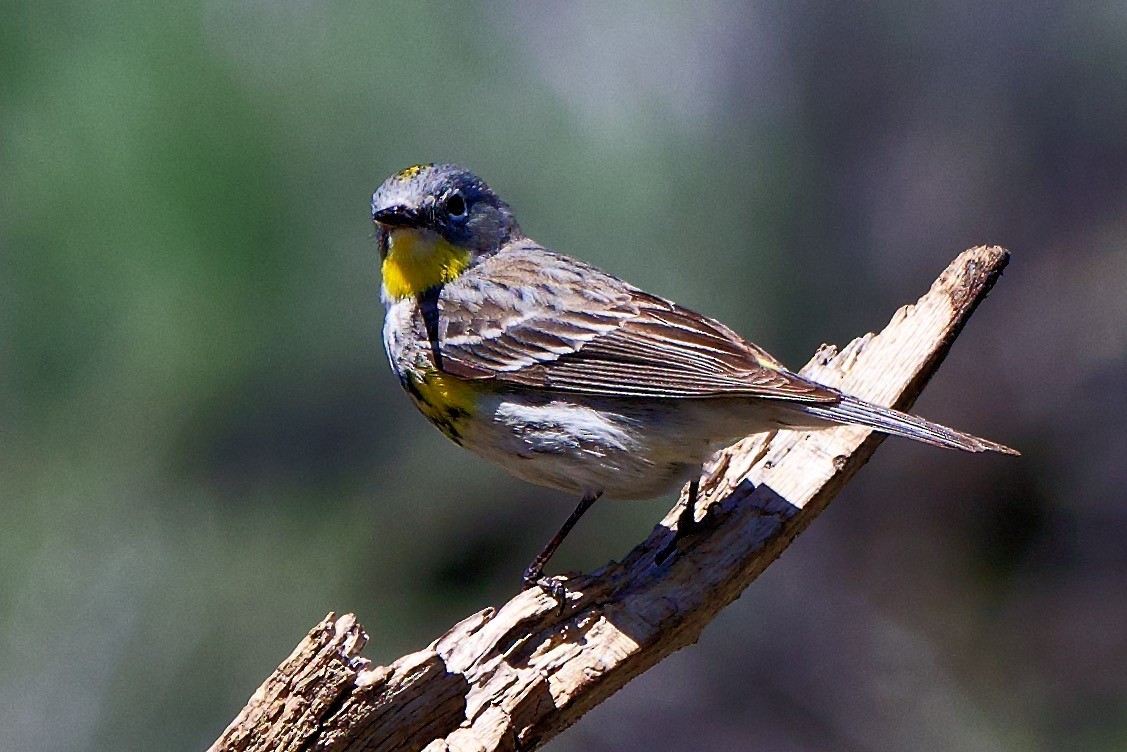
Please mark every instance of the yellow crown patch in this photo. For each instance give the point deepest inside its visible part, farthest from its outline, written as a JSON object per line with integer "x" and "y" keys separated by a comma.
{"x": 411, "y": 171}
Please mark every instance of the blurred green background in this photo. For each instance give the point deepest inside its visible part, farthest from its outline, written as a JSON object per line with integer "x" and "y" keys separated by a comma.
{"x": 202, "y": 450}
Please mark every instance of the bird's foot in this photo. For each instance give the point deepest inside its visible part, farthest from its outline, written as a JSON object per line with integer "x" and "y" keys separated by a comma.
{"x": 687, "y": 525}
{"x": 553, "y": 586}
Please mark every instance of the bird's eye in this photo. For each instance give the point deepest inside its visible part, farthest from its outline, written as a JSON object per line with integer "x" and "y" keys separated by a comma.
{"x": 456, "y": 205}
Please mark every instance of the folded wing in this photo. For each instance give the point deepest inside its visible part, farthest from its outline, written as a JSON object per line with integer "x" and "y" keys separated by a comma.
{"x": 530, "y": 318}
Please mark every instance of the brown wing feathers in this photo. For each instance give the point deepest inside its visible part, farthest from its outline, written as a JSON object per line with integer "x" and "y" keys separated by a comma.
{"x": 593, "y": 334}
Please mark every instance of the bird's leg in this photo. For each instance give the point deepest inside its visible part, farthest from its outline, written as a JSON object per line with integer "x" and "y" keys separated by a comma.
{"x": 534, "y": 575}
{"x": 687, "y": 523}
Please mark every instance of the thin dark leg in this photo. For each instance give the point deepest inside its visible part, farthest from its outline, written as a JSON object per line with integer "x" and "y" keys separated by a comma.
{"x": 534, "y": 575}
{"x": 687, "y": 523}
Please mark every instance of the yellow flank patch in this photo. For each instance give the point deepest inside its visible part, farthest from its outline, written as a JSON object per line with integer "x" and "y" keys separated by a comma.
{"x": 446, "y": 401}
{"x": 417, "y": 260}
{"x": 447, "y": 395}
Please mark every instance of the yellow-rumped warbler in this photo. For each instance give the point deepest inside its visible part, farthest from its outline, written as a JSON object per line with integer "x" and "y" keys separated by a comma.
{"x": 567, "y": 376}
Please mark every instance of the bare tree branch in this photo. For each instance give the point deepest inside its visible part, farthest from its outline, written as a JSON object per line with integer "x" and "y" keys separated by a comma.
{"x": 512, "y": 678}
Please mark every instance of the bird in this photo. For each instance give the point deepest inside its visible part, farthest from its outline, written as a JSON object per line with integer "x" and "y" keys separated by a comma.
{"x": 567, "y": 376}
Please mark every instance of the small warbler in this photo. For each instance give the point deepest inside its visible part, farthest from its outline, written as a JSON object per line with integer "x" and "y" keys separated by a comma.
{"x": 567, "y": 376}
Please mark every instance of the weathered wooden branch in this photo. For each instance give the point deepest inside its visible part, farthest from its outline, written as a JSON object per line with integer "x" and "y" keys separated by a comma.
{"x": 514, "y": 677}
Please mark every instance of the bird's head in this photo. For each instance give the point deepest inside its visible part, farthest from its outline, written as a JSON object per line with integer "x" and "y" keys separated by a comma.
{"x": 433, "y": 222}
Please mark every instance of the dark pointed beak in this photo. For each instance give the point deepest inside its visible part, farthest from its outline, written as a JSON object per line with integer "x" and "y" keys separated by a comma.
{"x": 398, "y": 216}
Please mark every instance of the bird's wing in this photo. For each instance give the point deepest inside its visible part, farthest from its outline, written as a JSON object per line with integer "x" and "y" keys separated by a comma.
{"x": 531, "y": 318}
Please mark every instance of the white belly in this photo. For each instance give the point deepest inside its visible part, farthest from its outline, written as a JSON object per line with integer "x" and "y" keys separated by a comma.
{"x": 622, "y": 448}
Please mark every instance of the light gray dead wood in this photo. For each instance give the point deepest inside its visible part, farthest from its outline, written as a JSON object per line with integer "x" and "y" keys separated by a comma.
{"x": 512, "y": 678}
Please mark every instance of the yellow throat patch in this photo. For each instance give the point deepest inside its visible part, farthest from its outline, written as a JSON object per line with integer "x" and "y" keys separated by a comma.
{"x": 417, "y": 260}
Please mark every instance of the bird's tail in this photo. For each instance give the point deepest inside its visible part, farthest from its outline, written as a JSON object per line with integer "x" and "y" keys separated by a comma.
{"x": 887, "y": 420}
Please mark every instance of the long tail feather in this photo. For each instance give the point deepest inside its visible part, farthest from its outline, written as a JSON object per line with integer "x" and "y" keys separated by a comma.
{"x": 853, "y": 410}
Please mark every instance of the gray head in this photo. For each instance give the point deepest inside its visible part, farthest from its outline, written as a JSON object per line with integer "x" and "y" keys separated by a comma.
{"x": 451, "y": 202}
